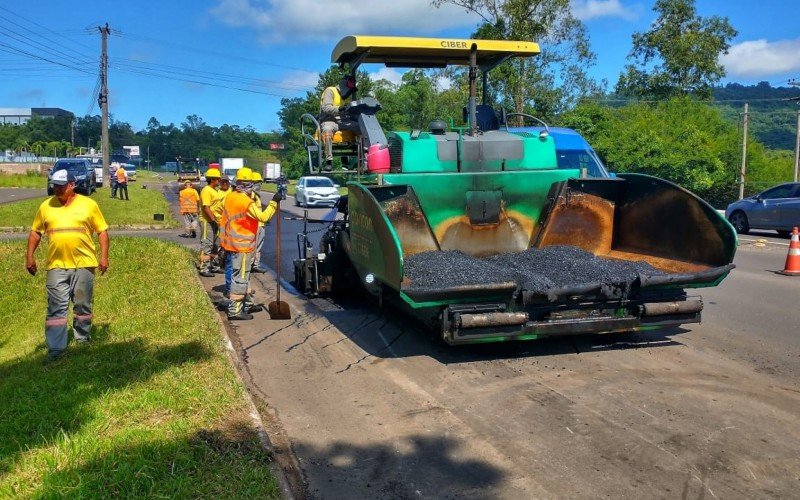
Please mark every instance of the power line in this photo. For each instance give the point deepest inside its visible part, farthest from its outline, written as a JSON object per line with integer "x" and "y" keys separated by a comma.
{"x": 223, "y": 55}
{"x": 34, "y": 23}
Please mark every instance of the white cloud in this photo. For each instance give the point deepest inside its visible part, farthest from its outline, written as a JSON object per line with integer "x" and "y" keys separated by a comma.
{"x": 280, "y": 20}
{"x": 299, "y": 80}
{"x": 758, "y": 58}
{"x": 592, "y": 9}
{"x": 443, "y": 83}
{"x": 389, "y": 74}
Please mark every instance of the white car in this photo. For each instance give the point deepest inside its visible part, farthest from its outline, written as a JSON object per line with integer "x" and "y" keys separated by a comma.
{"x": 316, "y": 191}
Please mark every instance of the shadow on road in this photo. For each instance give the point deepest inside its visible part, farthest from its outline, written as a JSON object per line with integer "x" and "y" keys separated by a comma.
{"x": 412, "y": 467}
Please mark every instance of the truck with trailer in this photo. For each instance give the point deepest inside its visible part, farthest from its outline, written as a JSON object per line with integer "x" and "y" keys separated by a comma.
{"x": 479, "y": 234}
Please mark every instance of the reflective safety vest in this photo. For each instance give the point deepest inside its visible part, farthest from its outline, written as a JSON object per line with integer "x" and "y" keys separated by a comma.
{"x": 188, "y": 200}
{"x": 337, "y": 101}
{"x": 237, "y": 229}
{"x": 122, "y": 176}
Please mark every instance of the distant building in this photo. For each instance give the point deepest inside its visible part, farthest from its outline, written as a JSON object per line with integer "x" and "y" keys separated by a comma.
{"x": 18, "y": 116}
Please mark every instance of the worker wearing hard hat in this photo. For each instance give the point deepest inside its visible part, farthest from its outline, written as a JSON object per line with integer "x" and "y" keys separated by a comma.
{"x": 189, "y": 201}
{"x": 239, "y": 227}
{"x": 256, "y": 195}
{"x": 333, "y": 99}
{"x": 209, "y": 235}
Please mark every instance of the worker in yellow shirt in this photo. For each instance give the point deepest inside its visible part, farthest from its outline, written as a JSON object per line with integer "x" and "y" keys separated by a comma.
{"x": 189, "y": 201}
{"x": 209, "y": 234}
{"x": 239, "y": 225}
{"x": 223, "y": 190}
{"x": 256, "y": 265}
{"x": 68, "y": 220}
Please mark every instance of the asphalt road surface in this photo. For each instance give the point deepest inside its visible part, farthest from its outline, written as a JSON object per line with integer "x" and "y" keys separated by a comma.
{"x": 8, "y": 195}
{"x": 363, "y": 403}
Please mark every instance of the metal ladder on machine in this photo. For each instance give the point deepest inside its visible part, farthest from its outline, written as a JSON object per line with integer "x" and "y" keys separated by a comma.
{"x": 312, "y": 134}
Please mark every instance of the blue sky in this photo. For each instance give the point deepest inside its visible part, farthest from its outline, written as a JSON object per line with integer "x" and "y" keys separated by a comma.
{"x": 231, "y": 61}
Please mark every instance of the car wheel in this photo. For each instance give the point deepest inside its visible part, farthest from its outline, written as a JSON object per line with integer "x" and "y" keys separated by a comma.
{"x": 296, "y": 201}
{"x": 739, "y": 222}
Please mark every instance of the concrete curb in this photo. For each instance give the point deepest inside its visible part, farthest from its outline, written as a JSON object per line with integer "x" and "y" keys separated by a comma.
{"x": 255, "y": 416}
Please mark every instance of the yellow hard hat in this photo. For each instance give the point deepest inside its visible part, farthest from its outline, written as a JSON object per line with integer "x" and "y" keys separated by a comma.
{"x": 213, "y": 173}
{"x": 256, "y": 177}
{"x": 244, "y": 174}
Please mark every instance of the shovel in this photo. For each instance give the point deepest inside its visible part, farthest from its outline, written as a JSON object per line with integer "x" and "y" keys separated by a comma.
{"x": 277, "y": 308}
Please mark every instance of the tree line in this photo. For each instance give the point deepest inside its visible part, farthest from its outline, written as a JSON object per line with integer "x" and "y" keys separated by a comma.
{"x": 193, "y": 138}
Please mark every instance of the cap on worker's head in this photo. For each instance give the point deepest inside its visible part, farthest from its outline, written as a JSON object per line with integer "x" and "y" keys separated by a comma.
{"x": 187, "y": 183}
{"x": 225, "y": 180}
{"x": 213, "y": 173}
{"x": 256, "y": 177}
{"x": 62, "y": 178}
{"x": 244, "y": 174}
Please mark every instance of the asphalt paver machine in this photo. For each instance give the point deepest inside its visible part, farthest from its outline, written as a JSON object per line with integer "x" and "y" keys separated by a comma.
{"x": 480, "y": 236}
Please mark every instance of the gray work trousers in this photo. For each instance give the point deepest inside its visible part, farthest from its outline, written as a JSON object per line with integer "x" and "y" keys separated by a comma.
{"x": 256, "y": 260}
{"x": 190, "y": 222}
{"x": 240, "y": 282}
{"x": 209, "y": 243}
{"x": 63, "y": 286}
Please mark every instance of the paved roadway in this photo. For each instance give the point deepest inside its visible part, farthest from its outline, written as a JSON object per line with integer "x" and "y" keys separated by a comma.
{"x": 362, "y": 403}
{"x": 7, "y": 195}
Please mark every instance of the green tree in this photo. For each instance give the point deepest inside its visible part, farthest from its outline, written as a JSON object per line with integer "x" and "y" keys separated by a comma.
{"x": 678, "y": 55}
{"x": 550, "y": 82}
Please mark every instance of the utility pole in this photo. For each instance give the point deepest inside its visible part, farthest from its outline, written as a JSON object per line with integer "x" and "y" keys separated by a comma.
{"x": 795, "y": 83}
{"x": 103, "y": 98}
{"x": 743, "y": 171}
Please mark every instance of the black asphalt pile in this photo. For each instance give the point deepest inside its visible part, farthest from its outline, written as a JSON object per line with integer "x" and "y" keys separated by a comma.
{"x": 438, "y": 270}
{"x": 538, "y": 270}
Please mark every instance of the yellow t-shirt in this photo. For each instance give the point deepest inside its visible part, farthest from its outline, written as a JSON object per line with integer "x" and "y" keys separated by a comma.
{"x": 69, "y": 231}
{"x": 216, "y": 207}
{"x": 208, "y": 195}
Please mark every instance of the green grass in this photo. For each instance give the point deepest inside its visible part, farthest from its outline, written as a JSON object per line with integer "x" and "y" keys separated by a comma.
{"x": 28, "y": 180}
{"x": 150, "y": 407}
{"x": 139, "y": 210}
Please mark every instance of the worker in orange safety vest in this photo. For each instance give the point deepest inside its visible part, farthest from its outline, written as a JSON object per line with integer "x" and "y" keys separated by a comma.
{"x": 189, "y": 203}
{"x": 238, "y": 230}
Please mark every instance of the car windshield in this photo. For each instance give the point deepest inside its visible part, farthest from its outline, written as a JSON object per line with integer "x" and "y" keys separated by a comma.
{"x": 319, "y": 183}
{"x": 580, "y": 158}
{"x": 71, "y": 167}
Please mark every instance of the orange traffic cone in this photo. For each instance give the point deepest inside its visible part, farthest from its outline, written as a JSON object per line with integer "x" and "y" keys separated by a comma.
{"x": 792, "y": 267}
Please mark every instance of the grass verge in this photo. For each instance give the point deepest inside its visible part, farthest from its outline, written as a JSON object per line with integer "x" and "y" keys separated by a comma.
{"x": 138, "y": 211}
{"x": 150, "y": 407}
{"x": 29, "y": 180}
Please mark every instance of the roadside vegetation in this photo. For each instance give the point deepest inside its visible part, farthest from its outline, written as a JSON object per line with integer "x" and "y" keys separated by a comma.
{"x": 151, "y": 407}
{"x": 28, "y": 180}
{"x": 138, "y": 211}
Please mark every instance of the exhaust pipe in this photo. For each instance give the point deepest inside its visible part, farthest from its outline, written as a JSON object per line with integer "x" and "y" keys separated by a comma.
{"x": 664, "y": 308}
{"x": 486, "y": 320}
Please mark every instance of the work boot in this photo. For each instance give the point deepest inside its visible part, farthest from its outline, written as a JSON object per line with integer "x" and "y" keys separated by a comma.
{"x": 206, "y": 273}
{"x": 257, "y": 270}
{"x": 242, "y": 315}
{"x": 194, "y": 234}
{"x": 53, "y": 356}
